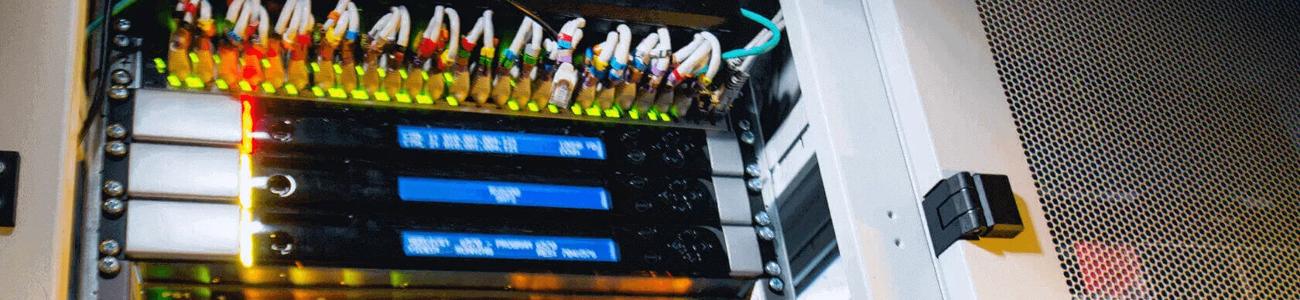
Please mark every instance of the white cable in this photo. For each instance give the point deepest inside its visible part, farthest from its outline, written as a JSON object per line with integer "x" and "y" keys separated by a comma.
{"x": 290, "y": 34}
{"x": 642, "y": 51}
{"x": 379, "y": 26}
{"x": 309, "y": 20}
{"x": 624, "y": 43}
{"x": 537, "y": 34}
{"x": 550, "y": 46}
{"x": 454, "y": 43}
{"x": 715, "y": 56}
{"x": 435, "y": 24}
{"x": 518, "y": 42}
{"x": 488, "y": 32}
{"x": 404, "y": 36}
{"x": 344, "y": 20}
{"x": 474, "y": 32}
{"x": 235, "y": 11}
{"x": 390, "y": 32}
{"x": 282, "y": 22}
{"x": 263, "y": 25}
{"x": 607, "y": 47}
{"x": 242, "y": 24}
{"x": 341, "y": 7}
{"x": 687, "y": 67}
{"x": 682, "y": 53}
{"x": 205, "y": 11}
{"x": 355, "y": 23}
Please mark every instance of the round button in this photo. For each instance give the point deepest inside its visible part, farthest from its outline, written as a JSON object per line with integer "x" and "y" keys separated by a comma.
{"x": 674, "y": 158}
{"x": 636, "y": 156}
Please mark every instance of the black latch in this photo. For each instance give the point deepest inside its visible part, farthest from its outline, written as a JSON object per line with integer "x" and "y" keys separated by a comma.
{"x": 969, "y": 206}
{"x": 8, "y": 187}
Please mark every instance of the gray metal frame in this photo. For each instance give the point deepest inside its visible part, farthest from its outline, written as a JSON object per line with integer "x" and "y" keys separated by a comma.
{"x": 897, "y": 94}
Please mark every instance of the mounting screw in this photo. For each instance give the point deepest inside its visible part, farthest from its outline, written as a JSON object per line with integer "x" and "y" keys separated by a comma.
{"x": 754, "y": 184}
{"x": 747, "y": 137}
{"x": 772, "y": 268}
{"x": 109, "y": 265}
{"x": 115, "y": 148}
{"x": 123, "y": 25}
{"x": 753, "y": 170}
{"x": 743, "y": 124}
{"x": 113, "y": 206}
{"x": 110, "y": 247}
{"x": 761, "y": 218}
{"x": 112, "y": 188}
{"x": 115, "y": 131}
{"x": 121, "y": 40}
{"x": 121, "y": 77}
{"x": 766, "y": 233}
{"x": 118, "y": 92}
{"x": 2, "y": 167}
{"x": 776, "y": 284}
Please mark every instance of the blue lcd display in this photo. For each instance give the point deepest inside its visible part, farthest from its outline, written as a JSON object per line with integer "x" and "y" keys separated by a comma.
{"x": 419, "y": 189}
{"x": 464, "y": 140}
{"x": 504, "y": 246}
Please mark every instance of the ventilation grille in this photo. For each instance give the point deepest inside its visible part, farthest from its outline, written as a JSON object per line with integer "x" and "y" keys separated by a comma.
{"x": 1164, "y": 139}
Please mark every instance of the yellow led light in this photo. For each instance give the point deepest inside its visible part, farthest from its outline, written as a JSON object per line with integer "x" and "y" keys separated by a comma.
{"x": 636, "y": 115}
{"x": 194, "y": 58}
{"x": 173, "y": 80}
{"x": 452, "y": 101}
{"x": 193, "y": 82}
{"x": 216, "y": 59}
{"x": 552, "y": 108}
{"x": 577, "y": 111}
{"x": 221, "y": 84}
{"x": 533, "y": 107}
{"x": 246, "y": 232}
{"x": 423, "y": 99}
{"x": 653, "y": 115}
{"x": 401, "y": 73}
{"x": 338, "y": 93}
{"x": 382, "y": 73}
{"x": 360, "y": 95}
{"x": 316, "y": 90}
{"x": 246, "y": 206}
{"x": 315, "y": 68}
{"x": 360, "y": 71}
{"x": 268, "y": 88}
{"x": 425, "y": 75}
{"x": 613, "y": 112}
{"x": 512, "y": 105}
{"x": 266, "y": 63}
{"x": 593, "y": 111}
{"x": 290, "y": 89}
{"x": 159, "y": 64}
{"x": 403, "y": 97}
{"x": 381, "y": 96}
{"x": 244, "y": 86}
{"x": 446, "y": 77}
{"x": 665, "y": 118}
{"x": 338, "y": 69}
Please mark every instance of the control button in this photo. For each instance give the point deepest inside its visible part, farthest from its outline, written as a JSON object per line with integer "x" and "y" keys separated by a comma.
{"x": 678, "y": 185}
{"x": 674, "y": 158}
{"x": 644, "y": 206}
{"x": 636, "y": 157}
{"x": 637, "y": 182}
{"x": 691, "y": 246}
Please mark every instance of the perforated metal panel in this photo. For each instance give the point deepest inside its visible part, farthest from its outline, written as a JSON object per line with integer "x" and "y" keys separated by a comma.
{"x": 1164, "y": 139}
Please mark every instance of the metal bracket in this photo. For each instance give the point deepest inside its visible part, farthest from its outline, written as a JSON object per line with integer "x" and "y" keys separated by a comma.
{"x": 8, "y": 187}
{"x": 968, "y": 206}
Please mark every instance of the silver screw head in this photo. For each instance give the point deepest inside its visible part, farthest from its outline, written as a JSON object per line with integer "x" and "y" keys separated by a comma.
{"x": 121, "y": 40}
{"x": 754, "y": 184}
{"x": 747, "y": 137}
{"x": 762, "y": 218}
{"x": 109, "y": 265}
{"x": 743, "y": 124}
{"x": 776, "y": 284}
{"x": 110, "y": 247}
{"x": 2, "y": 167}
{"x": 112, "y": 188}
{"x": 115, "y": 148}
{"x": 118, "y": 92}
{"x": 123, "y": 25}
{"x": 753, "y": 170}
{"x": 772, "y": 268}
{"x": 113, "y": 206}
{"x": 766, "y": 233}
{"x": 121, "y": 77}
{"x": 115, "y": 131}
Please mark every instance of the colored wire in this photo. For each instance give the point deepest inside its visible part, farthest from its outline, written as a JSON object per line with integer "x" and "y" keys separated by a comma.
{"x": 117, "y": 8}
{"x": 765, "y": 47}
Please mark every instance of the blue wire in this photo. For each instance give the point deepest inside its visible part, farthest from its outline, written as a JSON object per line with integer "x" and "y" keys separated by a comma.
{"x": 766, "y": 46}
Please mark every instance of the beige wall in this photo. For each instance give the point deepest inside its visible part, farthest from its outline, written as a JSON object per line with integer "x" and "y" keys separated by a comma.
{"x": 40, "y": 100}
